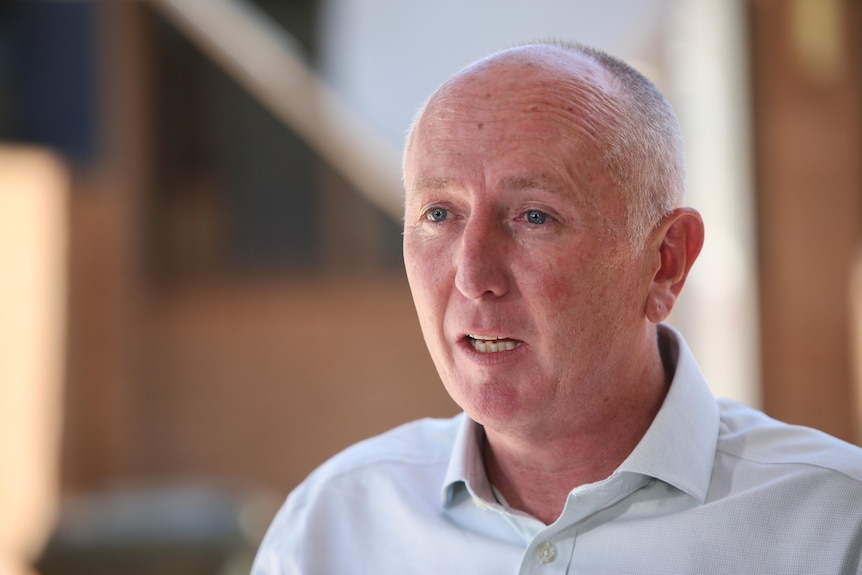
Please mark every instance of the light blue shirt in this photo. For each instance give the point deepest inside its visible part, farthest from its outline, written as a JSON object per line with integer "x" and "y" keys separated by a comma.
{"x": 713, "y": 487}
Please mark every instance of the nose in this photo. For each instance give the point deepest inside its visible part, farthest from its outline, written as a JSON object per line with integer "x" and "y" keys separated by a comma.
{"x": 482, "y": 267}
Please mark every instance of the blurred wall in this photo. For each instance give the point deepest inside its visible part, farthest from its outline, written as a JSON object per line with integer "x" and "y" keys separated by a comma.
{"x": 806, "y": 61}
{"x": 195, "y": 354}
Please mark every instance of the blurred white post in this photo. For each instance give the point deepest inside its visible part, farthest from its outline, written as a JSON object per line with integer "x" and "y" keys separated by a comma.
{"x": 707, "y": 57}
{"x": 33, "y": 198}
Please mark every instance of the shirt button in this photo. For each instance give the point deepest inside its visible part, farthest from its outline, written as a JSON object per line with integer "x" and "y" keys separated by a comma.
{"x": 546, "y": 552}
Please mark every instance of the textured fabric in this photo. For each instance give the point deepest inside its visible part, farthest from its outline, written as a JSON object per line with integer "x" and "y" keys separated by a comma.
{"x": 713, "y": 487}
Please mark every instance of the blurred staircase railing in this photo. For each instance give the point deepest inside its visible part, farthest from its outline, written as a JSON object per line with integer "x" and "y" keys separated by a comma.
{"x": 262, "y": 57}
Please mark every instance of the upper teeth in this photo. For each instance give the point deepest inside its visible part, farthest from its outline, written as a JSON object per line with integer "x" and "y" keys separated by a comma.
{"x": 490, "y": 343}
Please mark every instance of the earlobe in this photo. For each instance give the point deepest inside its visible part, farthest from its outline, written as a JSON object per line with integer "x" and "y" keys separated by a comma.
{"x": 677, "y": 243}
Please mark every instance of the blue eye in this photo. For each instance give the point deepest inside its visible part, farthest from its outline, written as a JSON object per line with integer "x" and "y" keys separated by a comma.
{"x": 437, "y": 214}
{"x": 536, "y": 217}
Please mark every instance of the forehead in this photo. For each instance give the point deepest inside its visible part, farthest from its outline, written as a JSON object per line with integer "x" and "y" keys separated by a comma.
{"x": 563, "y": 87}
{"x": 543, "y": 93}
{"x": 542, "y": 115}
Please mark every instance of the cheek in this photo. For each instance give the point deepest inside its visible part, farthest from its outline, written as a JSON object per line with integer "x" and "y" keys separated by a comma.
{"x": 414, "y": 264}
{"x": 426, "y": 277}
{"x": 577, "y": 292}
{"x": 555, "y": 281}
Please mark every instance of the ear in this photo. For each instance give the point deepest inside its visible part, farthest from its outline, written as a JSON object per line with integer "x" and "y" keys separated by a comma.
{"x": 674, "y": 245}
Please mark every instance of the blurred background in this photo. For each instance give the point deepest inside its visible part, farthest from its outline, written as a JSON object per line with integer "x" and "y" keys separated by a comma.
{"x": 201, "y": 288}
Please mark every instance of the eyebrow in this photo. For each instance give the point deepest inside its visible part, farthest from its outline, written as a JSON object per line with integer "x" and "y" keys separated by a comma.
{"x": 433, "y": 184}
{"x": 510, "y": 183}
{"x": 516, "y": 183}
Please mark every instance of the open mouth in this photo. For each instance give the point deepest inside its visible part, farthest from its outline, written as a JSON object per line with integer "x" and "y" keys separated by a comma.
{"x": 492, "y": 343}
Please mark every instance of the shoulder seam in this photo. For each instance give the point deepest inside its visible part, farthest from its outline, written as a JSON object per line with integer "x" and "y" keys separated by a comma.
{"x": 793, "y": 462}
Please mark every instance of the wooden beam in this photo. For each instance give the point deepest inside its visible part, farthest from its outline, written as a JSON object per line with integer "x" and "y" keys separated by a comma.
{"x": 806, "y": 116}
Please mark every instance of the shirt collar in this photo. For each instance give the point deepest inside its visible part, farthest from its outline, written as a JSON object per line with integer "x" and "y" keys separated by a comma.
{"x": 678, "y": 448}
{"x": 466, "y": 467}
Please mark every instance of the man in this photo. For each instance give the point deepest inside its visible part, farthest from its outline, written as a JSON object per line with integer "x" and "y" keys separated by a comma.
{"x": 544, "y": 244}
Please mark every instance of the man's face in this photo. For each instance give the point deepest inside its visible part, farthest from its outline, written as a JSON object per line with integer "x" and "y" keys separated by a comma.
{"x": 528, "y": 293}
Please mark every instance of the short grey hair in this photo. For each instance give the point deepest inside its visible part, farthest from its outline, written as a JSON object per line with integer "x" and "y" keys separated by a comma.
{"x": 644, "y": 156}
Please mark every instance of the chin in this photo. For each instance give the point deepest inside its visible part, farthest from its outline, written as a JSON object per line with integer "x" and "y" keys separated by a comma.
{"x": 490, "y": 404}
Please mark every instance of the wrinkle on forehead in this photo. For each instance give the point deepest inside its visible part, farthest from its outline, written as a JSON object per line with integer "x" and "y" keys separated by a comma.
{"x": 537, "y": 67}
{"x": 578, "y": 99}
{"x": 432, "y": 184}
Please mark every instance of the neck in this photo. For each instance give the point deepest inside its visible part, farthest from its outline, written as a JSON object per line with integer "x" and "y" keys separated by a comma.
{"x": 536, "y": 471}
